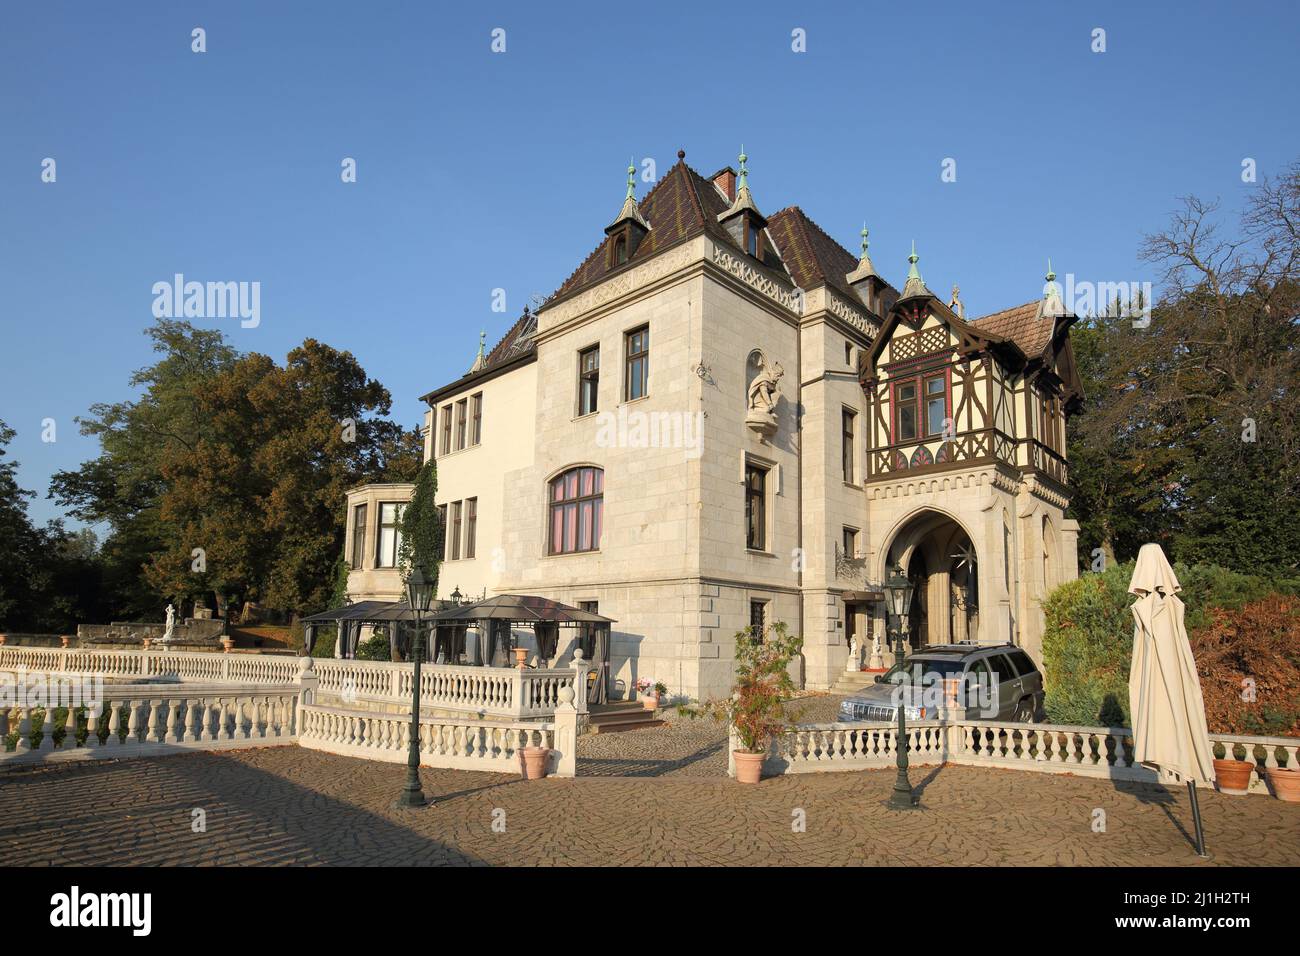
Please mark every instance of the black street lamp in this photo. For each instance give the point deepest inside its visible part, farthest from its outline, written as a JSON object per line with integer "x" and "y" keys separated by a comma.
{"x": 419, "y": 595}
{"x": 898, "y": 592}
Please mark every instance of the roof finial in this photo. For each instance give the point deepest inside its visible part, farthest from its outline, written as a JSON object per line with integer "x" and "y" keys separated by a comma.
{"x": 912, "y": 271}
{"x": 480, "y": 361}
{"x": 631, "y": 177}
{"x": 744, "y": 173}
{"x": 864, "y": 239}
{"x": 1051, "y": 305}
{"x": 1051, "y": 276}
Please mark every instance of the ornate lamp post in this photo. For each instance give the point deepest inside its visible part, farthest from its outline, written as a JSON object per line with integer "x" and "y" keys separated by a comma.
{"x": 419, "y": 595}
{"x": 898, "y": 594}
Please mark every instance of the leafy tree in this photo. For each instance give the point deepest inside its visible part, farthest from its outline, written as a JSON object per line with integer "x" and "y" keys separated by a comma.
{"x": 1191, "y": 434}
{"x": 422, "y": 530}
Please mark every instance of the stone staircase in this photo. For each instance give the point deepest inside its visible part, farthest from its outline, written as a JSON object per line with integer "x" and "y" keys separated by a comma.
{"x": 620, "y": 715}
{"x": 851, "y": 682}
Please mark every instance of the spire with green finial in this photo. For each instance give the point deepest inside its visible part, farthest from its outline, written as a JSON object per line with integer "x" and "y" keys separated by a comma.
{"x": 744, "y": 173}
{"x": 1051, "y": 304}
{"x": 480, "y": 360}
{"x": 864, "y": 239}
{"x": 914, "y": 285}
{"x": 864, "y": 269}
{"x": 630, "y": 209}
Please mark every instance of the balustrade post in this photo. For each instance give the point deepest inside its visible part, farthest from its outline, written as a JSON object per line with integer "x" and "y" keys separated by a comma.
{"x": 566, "y": 734}
{"x": 47, "y": 729}
{"x": 581, "y": 668}
{"x": 308, "y": 684}
{"x": 516, "y": 684}
{"x": 24, "y": 732}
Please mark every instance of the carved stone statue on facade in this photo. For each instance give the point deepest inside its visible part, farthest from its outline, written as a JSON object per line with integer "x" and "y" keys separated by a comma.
{"x": 763, "y": 394}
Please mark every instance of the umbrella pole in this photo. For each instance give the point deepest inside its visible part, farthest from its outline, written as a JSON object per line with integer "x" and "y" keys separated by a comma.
{"x": 1196, "y": 819}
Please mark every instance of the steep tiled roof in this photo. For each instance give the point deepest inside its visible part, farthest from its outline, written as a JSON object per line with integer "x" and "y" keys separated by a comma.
{"x": 1022, "y": 325}
{"x": 518, "y": 342}
{"x": 682, "y": 204}
{"x": 811, "y": 255}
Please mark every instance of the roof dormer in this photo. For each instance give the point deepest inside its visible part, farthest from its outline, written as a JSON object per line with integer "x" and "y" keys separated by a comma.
{"x": 864, "y": 281}
{"x": 629, "y": 226}
{"x": 743, "y": 220}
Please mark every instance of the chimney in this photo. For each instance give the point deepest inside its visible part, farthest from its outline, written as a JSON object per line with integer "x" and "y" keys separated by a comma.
{"x": 725, "y": 179}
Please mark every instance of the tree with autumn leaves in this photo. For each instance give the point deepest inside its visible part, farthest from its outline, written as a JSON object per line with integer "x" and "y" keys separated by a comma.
{"x": 228, "y": 476}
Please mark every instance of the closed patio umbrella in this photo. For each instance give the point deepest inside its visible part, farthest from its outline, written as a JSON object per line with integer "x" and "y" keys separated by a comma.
{"x": 1165, "y": 702}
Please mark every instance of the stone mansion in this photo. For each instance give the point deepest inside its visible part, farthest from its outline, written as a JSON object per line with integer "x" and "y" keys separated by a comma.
{"x": 723, "y": 418}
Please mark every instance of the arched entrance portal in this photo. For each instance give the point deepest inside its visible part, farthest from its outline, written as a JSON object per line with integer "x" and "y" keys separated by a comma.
{"x": 939, "y": 559}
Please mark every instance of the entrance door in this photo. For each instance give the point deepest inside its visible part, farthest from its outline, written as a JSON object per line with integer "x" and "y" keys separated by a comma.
{"x": 851, "y": 611}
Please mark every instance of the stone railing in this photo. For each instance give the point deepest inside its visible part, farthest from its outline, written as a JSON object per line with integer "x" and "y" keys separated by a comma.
{"x": 153, "y": 664}
{"x": 1042, "y": 748}
{"x": 510, "y": 693}
{"x": 142, "y": 720}
{"x": 453, "y": 743}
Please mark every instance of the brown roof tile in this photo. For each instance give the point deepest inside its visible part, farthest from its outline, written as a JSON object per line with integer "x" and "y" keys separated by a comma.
{"x": 1022, "y": 325}
{"x": 682, "y": 204}
{"x": 812, "y": 256}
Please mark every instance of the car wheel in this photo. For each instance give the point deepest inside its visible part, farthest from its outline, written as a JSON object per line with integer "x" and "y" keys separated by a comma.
{"x": 1024, "y": 713}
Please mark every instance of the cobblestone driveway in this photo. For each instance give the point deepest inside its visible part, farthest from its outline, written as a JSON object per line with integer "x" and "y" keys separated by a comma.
{"x": 290, "y": 805}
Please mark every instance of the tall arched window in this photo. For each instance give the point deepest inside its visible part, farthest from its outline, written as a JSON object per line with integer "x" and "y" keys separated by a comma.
{"x": 576, "y": 504}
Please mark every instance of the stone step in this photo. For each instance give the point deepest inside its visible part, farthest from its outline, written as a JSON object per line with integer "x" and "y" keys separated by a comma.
{"x": 619, "y": 727}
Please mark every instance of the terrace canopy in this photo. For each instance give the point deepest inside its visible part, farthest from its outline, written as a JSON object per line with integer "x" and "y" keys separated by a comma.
{"x": 496, "y": 615}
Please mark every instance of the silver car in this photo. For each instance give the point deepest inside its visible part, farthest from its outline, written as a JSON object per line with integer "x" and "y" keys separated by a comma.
{"x": 987, "y": 682}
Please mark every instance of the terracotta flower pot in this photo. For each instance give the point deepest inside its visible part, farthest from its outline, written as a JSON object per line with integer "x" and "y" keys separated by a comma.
{"x": 1233, "y": 776}
{"x": 521, "y": 656}
{"x": 650, "y": 701}
{"x": 1285, "y": 783}
{"x": 535, "y": 762}
{"x": 749, "y": 767}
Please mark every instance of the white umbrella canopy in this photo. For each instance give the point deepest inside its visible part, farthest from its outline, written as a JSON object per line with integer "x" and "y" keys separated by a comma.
{"x": 1165, "y": 702}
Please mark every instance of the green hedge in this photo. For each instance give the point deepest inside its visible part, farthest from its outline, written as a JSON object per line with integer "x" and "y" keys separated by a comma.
{"x": 1088, "y": 642}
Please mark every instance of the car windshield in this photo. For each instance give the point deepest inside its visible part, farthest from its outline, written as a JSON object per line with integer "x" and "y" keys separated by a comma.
{"x": 923, "y": 667}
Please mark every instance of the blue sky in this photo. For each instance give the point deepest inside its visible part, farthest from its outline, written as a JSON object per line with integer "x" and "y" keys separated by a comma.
{"x": 479, "y": 170}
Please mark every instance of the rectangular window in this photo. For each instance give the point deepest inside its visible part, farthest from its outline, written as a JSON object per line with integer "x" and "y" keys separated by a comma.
{"x": 358, "y": 535}
{"x": 936, "y": 405}
{"x": 454, "y": 543}
{"x": 756, "y": 507}
{"x": 589, "y": 380}
{"x": 390, "y": 534}
{"x": 471, "y": 525}
{"x": 850, "y": 543}
{"x": 849, "y": 420}
{"x": 636, "y": 349}
{"x": 476, "y": 420}
{"x": 758, "y": 616}
{"x": 905, "y": 397}
{"x": 446, "y": 429}
{"x": 442, "y": 529}
{"x": 462, "y": 409}
{"x": 753, "y": 238}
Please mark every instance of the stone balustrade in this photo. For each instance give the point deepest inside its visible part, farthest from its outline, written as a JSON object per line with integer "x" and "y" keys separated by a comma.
{"x": 453, "y": 743}
{"x": 510, "y": 693}
{"x": 1041, "y": 748}
{"x": 154, "y": 663}
{"x": 142, "y": 720}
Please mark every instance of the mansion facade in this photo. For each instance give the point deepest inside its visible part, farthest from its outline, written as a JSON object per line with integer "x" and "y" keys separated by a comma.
{"x": 723, "y": 418}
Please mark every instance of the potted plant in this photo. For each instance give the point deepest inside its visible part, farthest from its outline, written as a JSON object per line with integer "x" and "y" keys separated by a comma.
{"x": 1285, "y": 782}
{"x": 535, "y": 762}
{"x": 650, "y": 692}
{"x": 756, "y": 708}
{"x": 1233, "y": 775}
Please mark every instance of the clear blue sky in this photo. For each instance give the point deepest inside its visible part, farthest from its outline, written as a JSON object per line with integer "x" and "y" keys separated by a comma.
{"x": 479, "y": 170}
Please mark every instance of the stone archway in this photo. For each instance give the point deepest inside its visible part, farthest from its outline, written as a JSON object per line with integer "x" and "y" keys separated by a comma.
{"x": 940, "y": 558}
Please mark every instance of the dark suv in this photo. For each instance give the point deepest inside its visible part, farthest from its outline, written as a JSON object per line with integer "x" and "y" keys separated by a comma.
{"x": 993, "y": 681}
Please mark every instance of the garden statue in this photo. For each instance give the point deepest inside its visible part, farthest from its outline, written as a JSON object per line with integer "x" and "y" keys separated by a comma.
{"x": 170, "y": 632}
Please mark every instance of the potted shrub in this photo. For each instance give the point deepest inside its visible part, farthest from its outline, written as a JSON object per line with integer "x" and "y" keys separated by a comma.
{"x": 756, "y": 708}
{"x": 1285, "y": 782}
{"x": 651, "y": 692}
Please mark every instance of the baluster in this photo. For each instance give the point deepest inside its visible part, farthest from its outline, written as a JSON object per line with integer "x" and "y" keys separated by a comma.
{"x": 92, "y": 725}
{"x": 47, "y": 729}
{"x": 171, "y": 734}
{"x": 70, "y": 728}
{"x": 223, "y": 719}
{"x": 114, "y": 738}
{"x": 152, "y": 722}
{"x": 133, "y": 722}
{"x": 24, "y": 732}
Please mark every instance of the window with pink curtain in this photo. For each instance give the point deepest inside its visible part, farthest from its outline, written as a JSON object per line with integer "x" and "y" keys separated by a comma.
{"x": 576, "y": 503}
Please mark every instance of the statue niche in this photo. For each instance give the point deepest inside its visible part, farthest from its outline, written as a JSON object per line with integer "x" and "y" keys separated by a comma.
{"x": 766, "y": 375}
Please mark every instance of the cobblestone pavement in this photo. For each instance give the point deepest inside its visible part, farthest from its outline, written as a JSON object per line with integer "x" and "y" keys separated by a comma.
{"x": 684, "y": 748}
{"x": 289, "y": 805}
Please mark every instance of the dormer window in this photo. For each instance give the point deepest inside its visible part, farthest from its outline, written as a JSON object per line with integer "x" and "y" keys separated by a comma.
{"x": 620, "y": 250}
{"x": 753, "y": 238}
